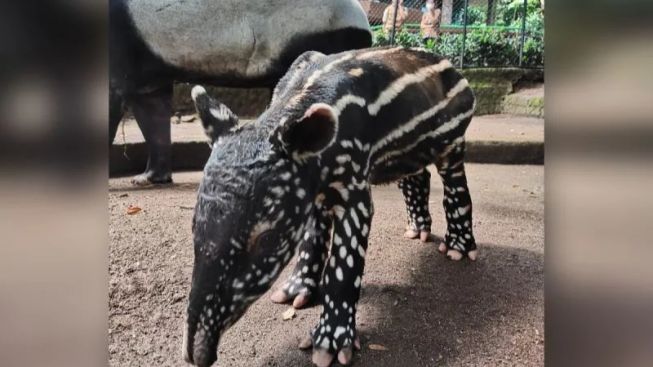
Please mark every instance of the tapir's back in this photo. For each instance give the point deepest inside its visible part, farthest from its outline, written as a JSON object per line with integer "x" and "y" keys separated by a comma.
{"x": 402, "y": 105}
{"x": 247, "y": 37}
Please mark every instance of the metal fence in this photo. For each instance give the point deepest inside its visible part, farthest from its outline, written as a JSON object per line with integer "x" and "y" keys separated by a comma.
{"x": 471, "y": 33}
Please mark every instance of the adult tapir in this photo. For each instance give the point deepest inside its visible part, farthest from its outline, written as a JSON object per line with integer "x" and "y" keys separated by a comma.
{"x": 233, "y": 43}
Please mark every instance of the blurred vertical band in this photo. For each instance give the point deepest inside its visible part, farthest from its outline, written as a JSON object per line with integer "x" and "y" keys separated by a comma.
{"x": 53, "y": 221}
{"x": 599, "y": 175}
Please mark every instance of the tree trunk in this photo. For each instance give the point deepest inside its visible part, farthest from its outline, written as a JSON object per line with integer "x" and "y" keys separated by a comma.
{"x": 491, "y": 12}
{"x": 447, "y": 11}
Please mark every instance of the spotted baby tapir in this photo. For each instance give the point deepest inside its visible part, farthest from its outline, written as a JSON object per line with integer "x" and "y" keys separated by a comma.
{"x": 300, "y": 177}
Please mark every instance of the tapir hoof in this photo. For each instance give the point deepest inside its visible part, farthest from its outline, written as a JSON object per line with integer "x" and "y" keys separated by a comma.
{"x": 322, "y": 358}
{"x": 424, "y": 236}
{"x": 300, "y": 300}
{"x": 457, "y": 255}
{"x": 150, "y": 178}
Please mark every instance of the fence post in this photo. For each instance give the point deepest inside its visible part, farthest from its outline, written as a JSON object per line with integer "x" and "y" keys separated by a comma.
{"x": 462, "y": 54}
{"x": 394, "y": 24}
{"x": 523, "y": 35}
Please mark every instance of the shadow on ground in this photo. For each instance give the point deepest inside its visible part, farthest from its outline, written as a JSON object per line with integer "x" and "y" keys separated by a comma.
{"x": 426, "y": 310}
{"x": 450, "y": 314}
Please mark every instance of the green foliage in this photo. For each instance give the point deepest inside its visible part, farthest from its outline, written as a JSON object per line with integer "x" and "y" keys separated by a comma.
{"x": 449, "y": 45}
{"x": 489, "y": 47}
{"x": 512, "y": 11}
{"x": 379, "y": 38}
{"x": 484, "y": 46}
{"x": 533, "y": 51}
{"x": 475, "y": 16}
{"x": 403, "y": 38}
{"x": 408, "y": 39}
{"x": 535, "y": 24}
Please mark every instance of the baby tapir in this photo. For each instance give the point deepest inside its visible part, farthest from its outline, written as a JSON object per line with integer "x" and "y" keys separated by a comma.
{"x": 300, "y": 176}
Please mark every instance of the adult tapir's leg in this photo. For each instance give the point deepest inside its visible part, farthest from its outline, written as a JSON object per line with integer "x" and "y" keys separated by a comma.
{"x": 302, "y": 286}
{"x": 152, "y": 112}
{"x": 416, "y": 189}
{"x": 459, "y": 240}
{"x": 116, "y": 111}
{"x": 335, "y": 335}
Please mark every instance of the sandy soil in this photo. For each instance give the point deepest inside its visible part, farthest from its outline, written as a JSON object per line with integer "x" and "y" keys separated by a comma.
{"x": 426, "y": 310}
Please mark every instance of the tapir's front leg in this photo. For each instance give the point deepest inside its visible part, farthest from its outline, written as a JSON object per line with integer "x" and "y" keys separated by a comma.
{"x": 302, "y": 286}
{"x": 459, "y": 240}
{"x": 335, "y": 334}
{"x": 153, "y": 111}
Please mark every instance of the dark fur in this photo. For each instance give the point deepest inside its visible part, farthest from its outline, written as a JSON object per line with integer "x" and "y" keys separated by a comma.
{"x": 136, "y": 73}
{"x": 283, "y": 166}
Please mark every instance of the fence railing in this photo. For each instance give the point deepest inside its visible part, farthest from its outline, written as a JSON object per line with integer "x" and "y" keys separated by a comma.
{"x": 472, "y": 33}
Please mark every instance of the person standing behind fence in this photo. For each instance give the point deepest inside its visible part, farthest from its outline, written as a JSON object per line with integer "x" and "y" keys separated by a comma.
{"x": 389, "y": 15}
{"x": 430, "y": 25}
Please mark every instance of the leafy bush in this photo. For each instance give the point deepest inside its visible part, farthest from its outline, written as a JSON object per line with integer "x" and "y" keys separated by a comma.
{"x": 535, "y": 24}
{"x": 489, "y": 47}
{"x": 483, "y": 47}
{"x": 379, "y": 38}
{"x": 408, "y": 39}
{"x": 475, "y": 15}
{"x": 533, "y": 51}
{"x": 403, "y": 38}
{"x": 512, "y": 10}
{"x": 449, "y": 46}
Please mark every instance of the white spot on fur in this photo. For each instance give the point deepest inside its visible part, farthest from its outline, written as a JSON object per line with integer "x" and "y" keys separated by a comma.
{"x": 342, "y": 190}
{"x": 354, "y": 217}
{"x": 354, "y": 242}
{"x": 361, "y": 207}
{"x": 350, "y": 261}
{"x": 355, "y": 72}
{"x": 339, "y": 275}
{"x": 345, "y": 224}
{"x": 343, "y": 158}
{"x": 462, "y": 211}
{"x": 339, "y": 331}
{"x": 365, "y": 230}
{"x": 342, "y": 252}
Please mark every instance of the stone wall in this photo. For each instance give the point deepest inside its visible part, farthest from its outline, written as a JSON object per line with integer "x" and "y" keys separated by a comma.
{"x": 491, "y": 86}
{"x": 246, "y": 103}
{"x": 494, "y": 85}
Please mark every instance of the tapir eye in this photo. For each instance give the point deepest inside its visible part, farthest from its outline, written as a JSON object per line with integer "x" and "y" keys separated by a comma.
{"x": 265, "y": 240}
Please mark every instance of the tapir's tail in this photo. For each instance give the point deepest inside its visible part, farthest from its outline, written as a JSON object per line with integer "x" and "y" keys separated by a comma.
{"x": 216, "y": 118}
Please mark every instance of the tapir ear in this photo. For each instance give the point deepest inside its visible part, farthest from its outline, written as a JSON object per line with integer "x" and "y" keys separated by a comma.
{"x": 216, "y": 118}
{"x": 312, "y": 133}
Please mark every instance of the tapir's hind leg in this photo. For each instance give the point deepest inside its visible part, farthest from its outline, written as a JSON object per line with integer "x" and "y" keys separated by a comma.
{"x": 116, "y": 111}
{"x": 459, "y": 240}
{"x": 153, "y": 111}
{"x": 302, "y": 286}
{"x": 416, "y": 189}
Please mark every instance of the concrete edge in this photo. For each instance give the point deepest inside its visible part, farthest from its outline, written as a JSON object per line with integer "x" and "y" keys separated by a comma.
{"x": 128, "y": 159}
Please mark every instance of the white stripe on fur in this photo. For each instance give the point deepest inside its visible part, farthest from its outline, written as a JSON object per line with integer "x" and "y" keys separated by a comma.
{"x": 412, "y": 123}
{"x": 396, "y": 87}
{"x": 444, "y": 128}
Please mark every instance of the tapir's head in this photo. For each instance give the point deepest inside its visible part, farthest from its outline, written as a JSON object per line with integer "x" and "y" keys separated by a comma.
{"x": 254, "y": 205}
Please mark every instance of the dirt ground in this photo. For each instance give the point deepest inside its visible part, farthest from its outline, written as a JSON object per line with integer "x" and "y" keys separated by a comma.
{"x": 426, "y": 310}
